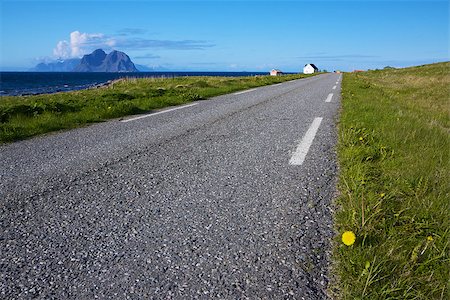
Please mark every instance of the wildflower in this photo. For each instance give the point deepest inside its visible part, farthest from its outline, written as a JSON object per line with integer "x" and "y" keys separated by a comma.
{"x": 348, "y": 238}
{"x": 429, "y": 238}
{"x": 382, "y": 195}
{"x": 360, "y": 138}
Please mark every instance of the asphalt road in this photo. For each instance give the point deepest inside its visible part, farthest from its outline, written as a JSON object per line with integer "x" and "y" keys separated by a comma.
{"x": 205, "y": 201}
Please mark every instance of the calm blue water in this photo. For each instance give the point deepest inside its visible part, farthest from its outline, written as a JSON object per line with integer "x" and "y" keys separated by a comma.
{"x": 28, "y": 83}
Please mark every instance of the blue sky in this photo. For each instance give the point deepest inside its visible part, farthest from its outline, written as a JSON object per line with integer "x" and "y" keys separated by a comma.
{"x": 228, "y": 35}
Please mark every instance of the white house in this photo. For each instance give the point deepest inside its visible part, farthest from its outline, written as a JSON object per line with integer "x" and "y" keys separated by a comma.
{"x": 275, "y": 72}
{"x": 309, "y": 69}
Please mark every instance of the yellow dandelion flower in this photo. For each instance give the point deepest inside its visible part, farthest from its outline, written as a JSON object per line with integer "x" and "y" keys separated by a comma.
{"x": 360, "y": 138}
{"x": 348, "y": 238}
{"x": 382, "y": 195}
{"x": 429, "y": 238}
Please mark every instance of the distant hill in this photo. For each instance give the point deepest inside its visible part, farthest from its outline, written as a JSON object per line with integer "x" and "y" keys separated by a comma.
{"x": 58, "y": 66}
{"x": 143, "y": 68}
{"x": 97, "y": 61}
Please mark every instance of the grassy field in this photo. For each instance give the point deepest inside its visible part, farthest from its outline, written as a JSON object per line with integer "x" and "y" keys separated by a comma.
{"x": 23, "y": 117}
{"x": 393, "y": 149}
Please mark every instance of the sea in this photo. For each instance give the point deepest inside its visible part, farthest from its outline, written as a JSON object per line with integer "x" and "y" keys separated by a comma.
{"x": 34, "y": 83}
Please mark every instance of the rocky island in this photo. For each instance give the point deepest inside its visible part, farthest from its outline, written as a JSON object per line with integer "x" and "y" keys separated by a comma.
{"x": 97, "y": 61}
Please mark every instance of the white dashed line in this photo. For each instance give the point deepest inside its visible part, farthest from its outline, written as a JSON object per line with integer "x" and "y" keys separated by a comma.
{"x": 330, "y": 96}
{"x": 243, "y": 92}
{"x": 157, "y": 113}
{"x": 302, "y": 150}
{"x": 334, "y": 87}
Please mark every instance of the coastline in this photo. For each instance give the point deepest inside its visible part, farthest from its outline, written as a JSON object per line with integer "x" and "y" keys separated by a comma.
{"x": 38, "y": 83}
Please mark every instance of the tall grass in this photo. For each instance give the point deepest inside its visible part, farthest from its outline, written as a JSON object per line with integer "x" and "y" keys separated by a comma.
{"x": 394, "y": 185}
{"x": 27, "y": 116}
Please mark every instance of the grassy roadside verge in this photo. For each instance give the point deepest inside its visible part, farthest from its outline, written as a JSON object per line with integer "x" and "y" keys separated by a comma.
{"x": 393, "y": 151}
{"x": 24, "y": 117}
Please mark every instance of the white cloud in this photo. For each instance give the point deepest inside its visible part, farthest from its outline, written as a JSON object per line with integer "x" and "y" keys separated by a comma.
{"x": 81, "y": 43}
{"x": 62, "y": 50}
{"x": 84, "y": 43}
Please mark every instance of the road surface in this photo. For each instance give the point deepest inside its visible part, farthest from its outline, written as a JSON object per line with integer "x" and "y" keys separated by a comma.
{"x": 225, "y": 198}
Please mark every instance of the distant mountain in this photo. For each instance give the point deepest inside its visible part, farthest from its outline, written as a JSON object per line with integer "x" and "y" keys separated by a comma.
{"x": 91, "y": 62}
{"x": 157, "y": 68}
{"x": 143, "y": 68}
{"x": 58, "y": 66}
{"x": 99, "y": 61}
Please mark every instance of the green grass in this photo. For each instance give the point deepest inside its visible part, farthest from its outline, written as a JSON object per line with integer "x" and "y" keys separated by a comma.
{"x": 27, "y": 116}
{"x": 394, "y": 185}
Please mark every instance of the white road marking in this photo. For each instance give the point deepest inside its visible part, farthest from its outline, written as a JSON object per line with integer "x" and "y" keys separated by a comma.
{"x": 157, "y": 113}
{"x": 334, "y": 87}
{"x": 278, "y": 84}
{"x": 302, "y": 150}
{"x": 329, "y": 97}
{"x": 243, "y": 92}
